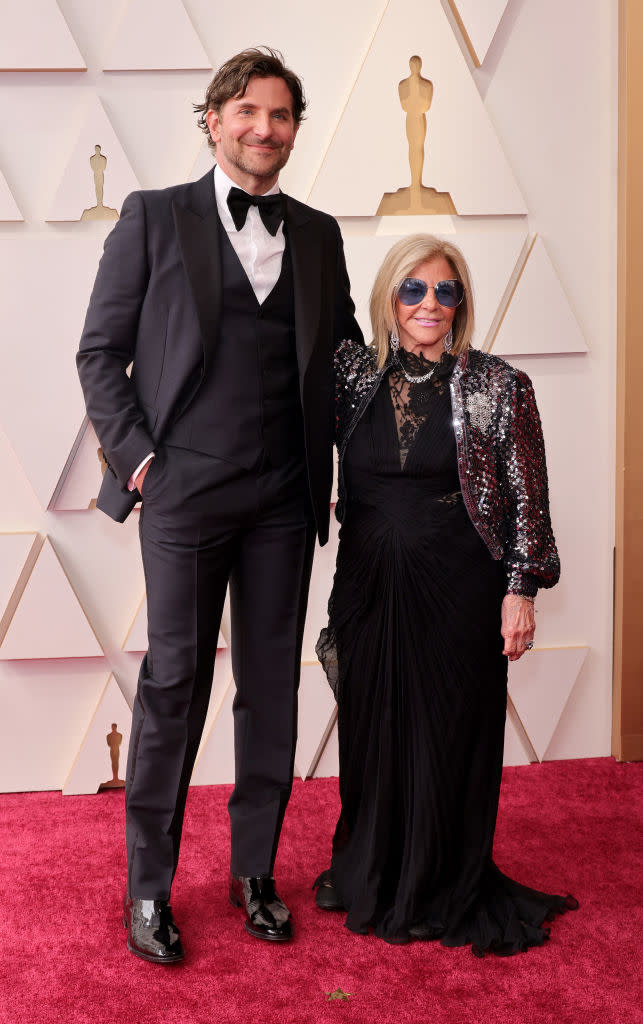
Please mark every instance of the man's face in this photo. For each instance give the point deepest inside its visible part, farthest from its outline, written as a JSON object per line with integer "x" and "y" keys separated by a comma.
{"x": 255, "y": 133}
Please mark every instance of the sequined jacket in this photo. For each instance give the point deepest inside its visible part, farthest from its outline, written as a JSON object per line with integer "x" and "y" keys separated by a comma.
{"x": 501, "y": 456}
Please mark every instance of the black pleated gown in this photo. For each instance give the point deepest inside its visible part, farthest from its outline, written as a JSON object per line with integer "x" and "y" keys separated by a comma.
{"x": 414, "y": 651}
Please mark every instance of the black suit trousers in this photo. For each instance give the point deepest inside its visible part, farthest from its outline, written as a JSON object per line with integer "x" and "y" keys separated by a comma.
{"x": 204, "y": 523}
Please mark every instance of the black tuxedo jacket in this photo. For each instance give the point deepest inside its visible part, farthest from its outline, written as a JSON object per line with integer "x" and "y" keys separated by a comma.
{"x": 156, "y": 304}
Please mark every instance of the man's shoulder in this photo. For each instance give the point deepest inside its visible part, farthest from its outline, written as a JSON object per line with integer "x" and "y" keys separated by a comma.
{"x": 304, "y": 212}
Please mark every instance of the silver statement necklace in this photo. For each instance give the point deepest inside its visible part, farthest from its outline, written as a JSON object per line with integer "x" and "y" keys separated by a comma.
{"x": 417, "y": 380}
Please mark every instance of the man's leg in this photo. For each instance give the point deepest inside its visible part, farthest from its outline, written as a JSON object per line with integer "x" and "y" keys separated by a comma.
{"x": 186, "y": 571}
{"x": 268, "y": 591}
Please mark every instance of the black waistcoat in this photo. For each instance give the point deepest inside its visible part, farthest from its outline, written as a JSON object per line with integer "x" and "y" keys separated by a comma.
{"x": 247, "y": 410}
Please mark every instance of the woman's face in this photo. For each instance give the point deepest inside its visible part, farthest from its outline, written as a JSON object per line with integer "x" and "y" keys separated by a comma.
{"x": 422, "y": 327}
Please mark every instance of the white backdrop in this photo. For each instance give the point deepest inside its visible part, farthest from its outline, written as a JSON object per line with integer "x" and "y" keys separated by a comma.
{"x": 526, "y": 145}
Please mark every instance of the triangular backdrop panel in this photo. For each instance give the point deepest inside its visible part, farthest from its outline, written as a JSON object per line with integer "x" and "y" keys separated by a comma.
{"x": 77, "y": 189}
{"x": 491, "y": 256}
{"x": 156, "y": 35}
{"x": 539, "y": 686}
{"x": 538, "y": 319}
{"x": 204, "y": 162}
{"x": 317, "y": 710}
{"x": 517, "y": 749}
{"x": 136, "y": 639}
{"x": 18, "y": 553}
{"x": 328, "y": 763}
{"x": 463, "y": 155}
{"x": 49, "y": 621}
{"x": 35, "y": 37}
{"x": 46, "y": 707}
{"x": 8, "y": 207}
{"x": 40, "y": 360}
{"x": 478, "y": 22}
{"x": 92, "y": 768}
{"x": 80, "y": 481}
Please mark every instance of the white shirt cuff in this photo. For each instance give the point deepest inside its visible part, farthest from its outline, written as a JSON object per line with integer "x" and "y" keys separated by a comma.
{"x": 131, "y": 483}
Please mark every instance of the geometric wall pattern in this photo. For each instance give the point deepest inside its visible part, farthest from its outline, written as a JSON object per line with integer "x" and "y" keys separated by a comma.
{"x": 48, "y": 621}
{"x": 538, "y": 319}
{"x": 91, "y": 178}
{"x": 89, "y": 773}
{"x": 8, "y": 206}
{"x": 39, "y": 350}
{"x": 63, "y": 687}
{"x": 478, "y": 23}
{"x": 155, "y": 35}
{"x": 467, "y": 163}
{"x": 35, "y": 37}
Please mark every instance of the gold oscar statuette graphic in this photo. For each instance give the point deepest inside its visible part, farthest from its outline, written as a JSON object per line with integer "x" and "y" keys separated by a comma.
{"x": 114, "y": 740}
{"x": 416, "y": 96}
{"x": 98, "y": 163}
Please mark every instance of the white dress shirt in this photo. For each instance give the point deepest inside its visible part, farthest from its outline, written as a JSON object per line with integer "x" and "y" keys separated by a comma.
{"x": 259, "y": 252}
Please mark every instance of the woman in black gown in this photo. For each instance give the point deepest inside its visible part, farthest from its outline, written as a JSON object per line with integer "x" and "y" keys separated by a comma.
{"x": 444, "y": 542}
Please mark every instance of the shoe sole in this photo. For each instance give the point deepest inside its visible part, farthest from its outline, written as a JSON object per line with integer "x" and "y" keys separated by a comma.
{"x": 330, "y": 906}
{"x": 248, "y": 927}
{"x": 148, "y": 956}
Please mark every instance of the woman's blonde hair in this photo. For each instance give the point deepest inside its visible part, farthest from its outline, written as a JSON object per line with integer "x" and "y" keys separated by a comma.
{"x": 398, "y": 263}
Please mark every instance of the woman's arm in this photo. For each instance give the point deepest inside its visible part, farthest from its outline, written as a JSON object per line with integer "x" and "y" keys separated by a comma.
{"x": 530, "y": 558}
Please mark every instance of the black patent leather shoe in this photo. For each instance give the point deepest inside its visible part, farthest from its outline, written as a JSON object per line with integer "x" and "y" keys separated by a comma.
{"x": 267, "y": 916}
{"x": 151, "y": 931}
{"x": 327, "y": 897}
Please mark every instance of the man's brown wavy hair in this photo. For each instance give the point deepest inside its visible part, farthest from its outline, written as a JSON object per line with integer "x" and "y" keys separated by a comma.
{"x": 231, "y": 81}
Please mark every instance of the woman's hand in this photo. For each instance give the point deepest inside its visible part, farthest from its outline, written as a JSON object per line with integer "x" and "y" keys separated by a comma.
{"x": 518, "y": 625}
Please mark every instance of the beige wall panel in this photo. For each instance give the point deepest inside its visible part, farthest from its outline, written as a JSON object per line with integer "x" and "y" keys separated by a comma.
{"x": 8, "y": 207}
{"x": 538, "y": 319}
{"x": 19, "y": 507}
{"x": 317, "y": 712}
{"x": 203, "y": 163}
{"x": 93, "y": 766}
{"x": 491, "y": 255}
{"x": 87, "y": 172}
{"x": 80, "y": 480}
{"x": 539, "y": 686}
{"x": 45, "y": 324}
{"x": 328, "y": 763}
{"x": 35, "y": 37}
{"x": 18, "y": 552}
{"x": 518, "y": 749}
{"x": 46, "y": 708}
{"x": 49, "y": 622}
{"x": 463, "y": 156}
{"x": 478, "y": 22}
{"x": 155, "y": 35}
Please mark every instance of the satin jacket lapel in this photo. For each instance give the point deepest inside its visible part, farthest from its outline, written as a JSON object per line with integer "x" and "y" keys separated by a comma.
{"x": 307, "y": 276}
{"x": 197, "y": 226}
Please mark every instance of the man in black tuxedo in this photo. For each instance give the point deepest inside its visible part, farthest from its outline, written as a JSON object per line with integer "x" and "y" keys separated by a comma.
{"x": 227, "y": 297}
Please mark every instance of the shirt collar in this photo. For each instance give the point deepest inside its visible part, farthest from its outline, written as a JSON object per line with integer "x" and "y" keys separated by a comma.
{"x": 222, "y": 186}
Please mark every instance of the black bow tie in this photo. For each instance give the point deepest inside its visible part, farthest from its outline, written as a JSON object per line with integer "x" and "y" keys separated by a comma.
{"x": 271, "y": 208}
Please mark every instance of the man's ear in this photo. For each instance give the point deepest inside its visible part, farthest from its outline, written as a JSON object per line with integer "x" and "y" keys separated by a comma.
{"x": 213, "y": 123}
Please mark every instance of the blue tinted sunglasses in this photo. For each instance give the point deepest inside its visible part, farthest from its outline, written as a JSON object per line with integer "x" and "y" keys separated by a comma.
{"x": 448, "y": 293}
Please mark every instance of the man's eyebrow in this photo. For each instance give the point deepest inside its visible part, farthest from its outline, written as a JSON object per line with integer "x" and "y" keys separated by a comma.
{"x": 253, "y": 106}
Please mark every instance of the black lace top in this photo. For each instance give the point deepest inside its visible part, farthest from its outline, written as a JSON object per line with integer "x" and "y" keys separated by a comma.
{"x": 413, "y": 401}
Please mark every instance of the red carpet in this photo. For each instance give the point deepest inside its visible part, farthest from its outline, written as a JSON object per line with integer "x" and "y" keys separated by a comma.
{"x": 565, "y": 826}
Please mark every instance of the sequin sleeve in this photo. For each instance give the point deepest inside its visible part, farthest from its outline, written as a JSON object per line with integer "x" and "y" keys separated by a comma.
{"x": 354, "y": 365}
{"x": 530, "y": 554}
